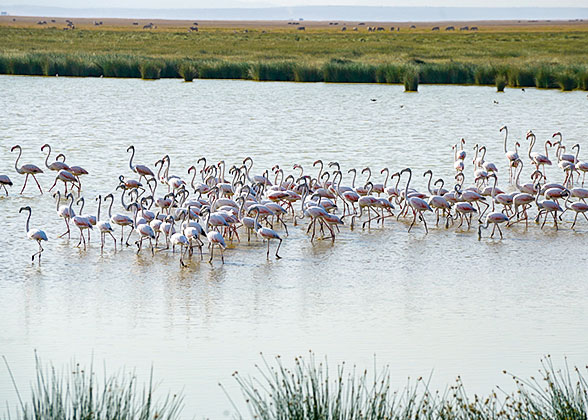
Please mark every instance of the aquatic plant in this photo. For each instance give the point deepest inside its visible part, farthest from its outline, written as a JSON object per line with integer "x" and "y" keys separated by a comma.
{"x": 307, "y": 73}
{"x": 188, "y": 72}
{"x": 77, "y": 394}
{"x": 309, "y": 390}
{"x": 521, "y": 76}
{"x": 545, "y": 77}
{"x": 501, "y": 82}
{"x": 275, "y": 71}
{"x": 566, "y": 81}
{"x": 411, "y": 79}
{"x": 485, "y": 74}
{"x": 150, "y": 70}
{"x": 390, "y": 73}
{"x": 344, "y": 71}
{"x": 223, "y": 70}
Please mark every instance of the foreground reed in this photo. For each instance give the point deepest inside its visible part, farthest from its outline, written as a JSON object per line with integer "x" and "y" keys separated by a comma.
{"x": 541, "y": 75}
{"x": 77, "y": 394}
{"x": 308, "y": 391}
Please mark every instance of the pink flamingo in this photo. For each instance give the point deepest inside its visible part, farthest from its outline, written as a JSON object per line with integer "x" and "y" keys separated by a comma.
{"x": 28, "y": 169}
{"x": 34, "y": 234}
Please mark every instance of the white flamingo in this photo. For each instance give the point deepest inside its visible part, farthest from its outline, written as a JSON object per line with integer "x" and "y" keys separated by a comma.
{"x": 34, "y": 234}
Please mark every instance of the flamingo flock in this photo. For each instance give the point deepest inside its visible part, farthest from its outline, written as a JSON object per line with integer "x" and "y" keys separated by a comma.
{"x": 212, "y": 205}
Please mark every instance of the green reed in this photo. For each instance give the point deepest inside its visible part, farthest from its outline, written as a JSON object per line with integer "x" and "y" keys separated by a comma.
{"x": 336, "y": 70}
{"x": 566, "y": 81}
{"x": 188, "y": 72}
{"x": 345, "y": 71}
{"x": 411, "y": 79}
{"x": 78, "y": 394}
{"x": 501, "y": 82}
{"x": 309, "y": 390}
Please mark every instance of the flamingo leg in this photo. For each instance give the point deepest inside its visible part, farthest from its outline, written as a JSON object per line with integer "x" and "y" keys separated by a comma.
{"x": 424, "y": 222}
{"x": 25, "y": 183}
{"x": 38, "y": 185}
{"x": 129, "y": 236}
{"x": 102, "y": 234}
{"x": 222, "y": 254}
{"x": 211, "y": 253}
{"x": 575, "y": 218}
{"x": 54, "y": 184}
{"x": 268, "y": 243}
{"x": 152, "y": 249}
{"x": 113, "y": 238}
{"x": 38, "y": 252}
{"x": 493, "y": 230}
{"x": 413, "y": 221}
{"x": 4, "y": 186}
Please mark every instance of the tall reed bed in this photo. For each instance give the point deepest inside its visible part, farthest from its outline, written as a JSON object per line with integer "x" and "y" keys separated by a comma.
{"x": 77, "y": 394}
{"x": 309, "y": 391}
{"x": 410, "y": 73}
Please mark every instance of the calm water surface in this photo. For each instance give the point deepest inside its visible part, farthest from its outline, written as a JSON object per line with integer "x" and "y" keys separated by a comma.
{"x": 442, "y": 302}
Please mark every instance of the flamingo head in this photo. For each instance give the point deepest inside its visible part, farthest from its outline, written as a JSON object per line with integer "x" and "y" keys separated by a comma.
{"x": 131, "y": 147}
{"x": 15, "y": 148}
{"x": 503, "y": 128}
{"x": 26, "y": 208}
{"x": 529, "y": 134}
{"x": 317, "y": 162}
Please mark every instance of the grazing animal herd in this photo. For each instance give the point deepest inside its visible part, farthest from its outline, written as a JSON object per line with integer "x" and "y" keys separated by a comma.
{"x": 166, "y": 210}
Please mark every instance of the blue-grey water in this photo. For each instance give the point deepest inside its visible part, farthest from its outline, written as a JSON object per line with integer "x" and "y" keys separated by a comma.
{"x": 442, "y": 303}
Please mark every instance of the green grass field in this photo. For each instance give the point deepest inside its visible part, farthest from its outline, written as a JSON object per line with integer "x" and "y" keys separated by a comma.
{"x": 526, "y": 58}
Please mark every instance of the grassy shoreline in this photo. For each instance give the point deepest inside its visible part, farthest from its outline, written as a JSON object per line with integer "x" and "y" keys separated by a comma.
{"x": 541, "y": 75}
{"x": 549, "y": 59}
{"x": 308, "y": 391}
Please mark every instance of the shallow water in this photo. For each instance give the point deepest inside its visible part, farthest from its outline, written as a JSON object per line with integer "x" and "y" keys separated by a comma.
{"x": 441, "y": 302}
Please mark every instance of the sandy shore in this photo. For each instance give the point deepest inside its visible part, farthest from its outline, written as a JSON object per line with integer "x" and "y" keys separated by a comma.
{"x": 161, "y": 24}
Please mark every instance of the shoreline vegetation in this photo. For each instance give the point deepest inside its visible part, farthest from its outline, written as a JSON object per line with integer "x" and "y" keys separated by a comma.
{"x": 552, "y": 58}
{"x": 308, "y": 391}
{"x": 540, "y": 75}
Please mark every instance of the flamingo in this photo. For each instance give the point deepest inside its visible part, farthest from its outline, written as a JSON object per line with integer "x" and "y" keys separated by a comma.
{"x": 66, "y": 176}
{"x": 180, "y": 240}
{"x": 34, "y": 234}
{"x": 417, "y": 204}
{"x": 579, "y": 207}
{"x": 83, "y": 223}
{"x": 57, "y": 165}
{"x": 65, "y": 212}
{"x": 4, "y": 181}
{"x": 103, "y": 226}
{"x": 120, "y": 220}
{"x": 537, "y": 158}
{"x": 216, "y": 239}
{"x": 142, "y": 170}
{"x": 496, "y": 218}
{"x": 28, "y": 169}
{"x": 267, "y": 234}
{"x": 511, "y": 156}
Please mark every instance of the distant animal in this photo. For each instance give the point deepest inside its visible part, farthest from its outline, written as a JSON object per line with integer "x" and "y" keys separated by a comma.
{"x": 474, "y": 28}
{"x": 412, "y": 26}
{"x": 435, "y": 28}
{"x": 450, "y": 28}
{"x": 301, "y": 28}
{"x": 464, "y": 28}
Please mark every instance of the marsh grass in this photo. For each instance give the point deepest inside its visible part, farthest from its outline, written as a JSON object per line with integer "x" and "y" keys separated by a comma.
{"x": 411, "y": 79}
{"x": 223, "y": 70}
{"x": 390, "y": 73}
{"x": 501, "y": 82}
{"x": 188, "y": 72}
{"x": 335, "y": 70}
{"x": 566, "y": 81}
{"x": 521, "y": 76}
{"x": 150, "y": 70}
{"x": 344, "y": 71}
{"x": 305, "y": 72}
{"x": 309, "y": 391}
{"x": 78, "y": 394}
{"x": 272, "y": 71}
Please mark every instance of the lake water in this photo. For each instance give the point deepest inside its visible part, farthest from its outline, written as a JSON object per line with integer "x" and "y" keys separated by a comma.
{"x": 442, "y": 303}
